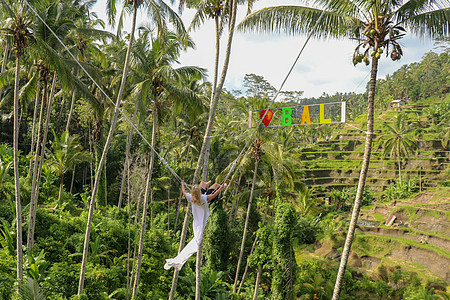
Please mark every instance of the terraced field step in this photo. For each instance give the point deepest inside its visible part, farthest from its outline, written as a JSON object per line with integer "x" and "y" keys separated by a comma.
{"x": 431, "y": 257}
{"x": 423, "y": 238}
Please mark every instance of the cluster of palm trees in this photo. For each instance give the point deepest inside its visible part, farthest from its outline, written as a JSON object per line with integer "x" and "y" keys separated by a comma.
{"x": 138, "y": 72}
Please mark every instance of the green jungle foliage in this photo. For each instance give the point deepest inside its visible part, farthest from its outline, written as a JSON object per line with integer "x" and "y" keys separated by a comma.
{"x": 304, "y": 185}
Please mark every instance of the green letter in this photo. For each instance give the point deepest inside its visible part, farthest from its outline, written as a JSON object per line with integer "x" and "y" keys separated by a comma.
{"x": 287, "y": 119}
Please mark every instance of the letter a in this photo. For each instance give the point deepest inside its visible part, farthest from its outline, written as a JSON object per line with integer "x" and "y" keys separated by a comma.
{"x": 287, "y": 119}
{"x": 305, "y": 116}
{"x": 322, "y": 115}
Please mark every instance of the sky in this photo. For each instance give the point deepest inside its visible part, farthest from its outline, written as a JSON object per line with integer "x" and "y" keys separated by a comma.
{"x": 325, "y": 66}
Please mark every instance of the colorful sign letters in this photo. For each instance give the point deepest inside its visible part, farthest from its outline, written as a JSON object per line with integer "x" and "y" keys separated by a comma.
{"x": 324, "y": 113}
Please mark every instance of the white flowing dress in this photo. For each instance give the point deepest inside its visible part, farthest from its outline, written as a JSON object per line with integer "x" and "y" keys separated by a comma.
{"x": 200, "y": 215}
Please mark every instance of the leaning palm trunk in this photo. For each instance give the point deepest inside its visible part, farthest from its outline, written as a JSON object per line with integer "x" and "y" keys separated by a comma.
{"x": 207, "y": 139}
{"x": 147, "y": 194}
{"x": 103, "y": 158}
{"x": 72, "y": 105}
{"x": 37, "y": 150}
{"x": 16, "y": 172}
{"x": 33, "y": 131}
{"x": 214, "y": 101}
{"x": 37, "y": 177}
{"x": 362, "y": 181}
{"x": 213, "y": 95}
{"x": 136, "y": 219}
{"x": 126, "y": 165}
{"x": 258, "y": 278}
{"x": 244, "y": 235}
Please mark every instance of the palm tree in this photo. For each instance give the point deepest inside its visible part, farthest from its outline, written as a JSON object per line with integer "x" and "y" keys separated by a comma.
{"x": 57, "y": 16}
{"x": 160, "y": 12}
{"x": 376, "y": 25}
{"x": 398, "y": 143}
{"x": 83, "y": 35}
{"x": 67, "y": 153}
{"x": 215, "y": 9}
{"x": 101, "y": 163}
{"x": 19, "y": 30}
{"x": 157, "y": 80}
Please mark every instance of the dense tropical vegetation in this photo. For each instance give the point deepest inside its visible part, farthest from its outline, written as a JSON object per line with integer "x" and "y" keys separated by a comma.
{"x": 89, "y": 211}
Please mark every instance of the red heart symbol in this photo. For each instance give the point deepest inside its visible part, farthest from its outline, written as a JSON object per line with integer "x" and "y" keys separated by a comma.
{"x": 267, "y": 118}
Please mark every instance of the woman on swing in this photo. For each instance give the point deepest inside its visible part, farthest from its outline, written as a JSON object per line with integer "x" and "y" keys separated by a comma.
{"x": 200, "y": 197}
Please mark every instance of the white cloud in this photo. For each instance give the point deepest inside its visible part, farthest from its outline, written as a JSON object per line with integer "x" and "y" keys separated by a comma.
{"x": 325, "y": 65}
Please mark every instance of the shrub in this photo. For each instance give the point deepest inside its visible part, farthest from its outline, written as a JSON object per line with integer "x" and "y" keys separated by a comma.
{"x": 7, "y": 275}
{"x": 401, "y": 190}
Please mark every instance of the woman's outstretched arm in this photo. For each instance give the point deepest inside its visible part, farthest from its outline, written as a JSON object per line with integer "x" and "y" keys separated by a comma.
{"x": 216, "y": 192}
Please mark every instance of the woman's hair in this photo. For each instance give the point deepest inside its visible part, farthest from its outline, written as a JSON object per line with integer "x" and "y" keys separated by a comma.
{"x": 196, "y": 195}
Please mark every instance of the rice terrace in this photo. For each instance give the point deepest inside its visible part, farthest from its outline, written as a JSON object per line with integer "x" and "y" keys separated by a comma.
{"x": 218, "y": 149}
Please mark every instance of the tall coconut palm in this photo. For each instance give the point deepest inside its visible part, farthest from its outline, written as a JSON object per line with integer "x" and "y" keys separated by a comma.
{"x": 157, "y": 80}
{"x": 377, "y": 26}
{"x": 83, "y": 34}
{"x": 398, "y": 142}
{"x": 204, "y": 152}
{"x": 160, "y": 13}
{"x": 58, "y": 16}
{"x": 66, "y": 153}
{"x": 19, "y": 30}
{"x": 103, "y": 157}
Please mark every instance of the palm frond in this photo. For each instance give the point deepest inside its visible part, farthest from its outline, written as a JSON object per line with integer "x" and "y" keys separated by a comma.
{"x": 432, "y": 24}
{"x": 299, "y": 20}
{"x": 29, "y": 290}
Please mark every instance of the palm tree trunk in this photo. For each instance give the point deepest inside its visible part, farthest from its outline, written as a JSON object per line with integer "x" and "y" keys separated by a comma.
{"x": 136, "y": 220}
{"x": 37, "y": 177}
{"x": 37, "y": 150}
{"x": 61, "y": 184}
{"x": 148, "y": 191}
{"x": 33, "y": 131}
{"x": 73, "y": 178}
{"x": 362, "y": 181}
{"x": 72, "y": 104}
{"x": 213, "y": 93}
{"x": 126, "y": 165}
{"x": 16, "y": 172}
{"x": 258, "y": 278}
{"x": 244, "y": 235}
{"x": 399, "y": 168}
{"x": 207, "y": 139}
{"x": 181, "y": 194}
{"x": 253, "y": 248}
{"x": 5, "y": 59}
{"x": 103, "y": 158}
{"x": 214, "y": 101}
{"x": 182, "y": 241}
